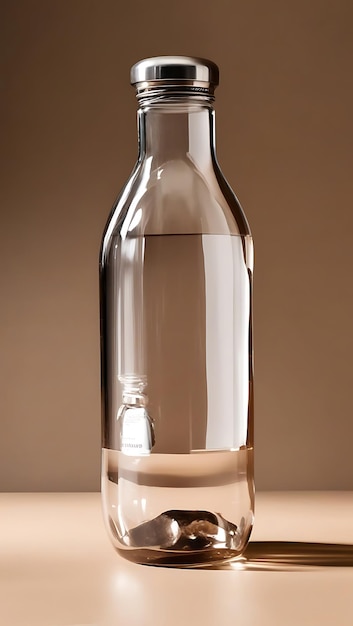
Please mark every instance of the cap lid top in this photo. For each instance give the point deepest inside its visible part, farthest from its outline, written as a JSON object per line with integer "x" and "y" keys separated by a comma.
{"x": 175, "y": 68}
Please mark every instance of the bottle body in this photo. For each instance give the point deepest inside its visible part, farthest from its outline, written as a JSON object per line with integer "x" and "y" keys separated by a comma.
{"x": 176, "y": 292}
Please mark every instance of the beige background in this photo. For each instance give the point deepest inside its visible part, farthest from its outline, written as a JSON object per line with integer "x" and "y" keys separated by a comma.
{"x": 284, "y": 131}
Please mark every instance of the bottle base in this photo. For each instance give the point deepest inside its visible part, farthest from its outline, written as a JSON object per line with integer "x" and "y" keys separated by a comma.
{"x": 185, "y": 533}
{"x": 189, "y": 560}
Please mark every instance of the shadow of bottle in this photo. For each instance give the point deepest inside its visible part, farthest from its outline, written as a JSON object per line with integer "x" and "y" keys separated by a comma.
{"x": 290, "y": 555}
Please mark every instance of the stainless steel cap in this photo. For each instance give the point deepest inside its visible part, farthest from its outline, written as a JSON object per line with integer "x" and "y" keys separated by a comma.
{"x": 177, "y": 70}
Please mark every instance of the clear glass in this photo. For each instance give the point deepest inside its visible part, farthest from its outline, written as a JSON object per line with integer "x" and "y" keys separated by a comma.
{"x": 176, "y": 333}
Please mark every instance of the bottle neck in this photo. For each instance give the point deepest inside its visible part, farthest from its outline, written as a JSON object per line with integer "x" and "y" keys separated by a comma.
{"x": 177, "y": 131}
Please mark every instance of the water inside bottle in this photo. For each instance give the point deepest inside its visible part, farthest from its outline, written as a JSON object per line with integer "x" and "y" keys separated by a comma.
{"x": 181, "y": 325}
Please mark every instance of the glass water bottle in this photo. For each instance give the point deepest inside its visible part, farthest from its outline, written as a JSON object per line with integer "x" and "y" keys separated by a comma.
{"x": 176, "y": 334}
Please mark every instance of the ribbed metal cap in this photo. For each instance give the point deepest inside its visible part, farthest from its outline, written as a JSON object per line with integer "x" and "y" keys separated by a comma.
{"x": 178, "y": 70}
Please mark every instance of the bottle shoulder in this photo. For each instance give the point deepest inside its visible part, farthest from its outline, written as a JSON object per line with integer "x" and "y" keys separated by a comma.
{"x": 176, "y": 198}
{"x": 232, "y": 201}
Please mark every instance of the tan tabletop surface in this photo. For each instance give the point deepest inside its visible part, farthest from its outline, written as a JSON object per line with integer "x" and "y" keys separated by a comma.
{"x": 57, "y": 568}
